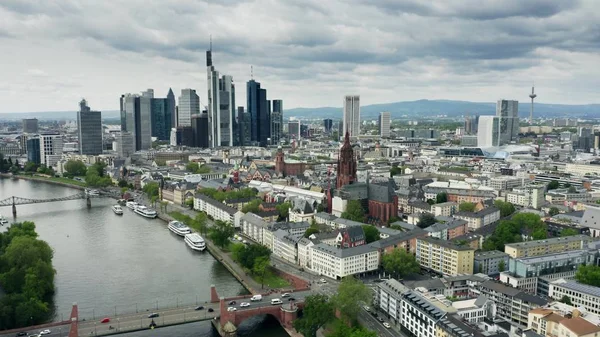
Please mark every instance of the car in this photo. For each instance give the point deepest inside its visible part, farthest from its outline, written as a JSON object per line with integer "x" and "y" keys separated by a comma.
{"x": 210, "y": 310}
{"x": 105, "y": 320}
{"x": 244, "y": 304}
{"x": 285, "y": 295}
{"x": 22, "y": 333}
{"x": 45, "y": 332}
{"x": 386, "y": 324}
{"x": 276, "y": 301}
{"x": 199, "y": 308}
{"x": 380, "y": 319}
{"x": 232, "y": 302}
{"x": 231, "y": 309}
{"x": 367, "y": 309}
{"x": 291, "y": 299}
{"x": 153, "y": 315}
{"x": 322, "y": 280}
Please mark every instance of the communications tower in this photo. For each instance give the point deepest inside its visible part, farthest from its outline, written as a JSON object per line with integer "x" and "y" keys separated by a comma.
{"x": 532, "y": 96}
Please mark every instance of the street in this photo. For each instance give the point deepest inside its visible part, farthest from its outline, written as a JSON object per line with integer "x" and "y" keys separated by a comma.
{"x": 370, "y": 322}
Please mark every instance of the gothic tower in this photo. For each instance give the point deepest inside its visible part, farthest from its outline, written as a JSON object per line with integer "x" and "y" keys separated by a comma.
{"x": 280, "y": 161}
{"x": 346, "y": 167}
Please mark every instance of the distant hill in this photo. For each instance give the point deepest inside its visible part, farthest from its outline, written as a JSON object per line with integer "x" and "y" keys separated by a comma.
{"x": 53, "y": 115}
{"x": 425, "y": 107}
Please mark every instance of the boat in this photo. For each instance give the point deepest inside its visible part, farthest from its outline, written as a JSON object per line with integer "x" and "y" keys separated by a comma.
{"x": 146, "y": 212}
{"x": 117, "y": 209}
{"x": 3, "y": 220}
{"x": 195, "y": 241}
{"x": 132, "y": 204}
{"x": 179, "y": 228}
{"x": 92, "y": 192}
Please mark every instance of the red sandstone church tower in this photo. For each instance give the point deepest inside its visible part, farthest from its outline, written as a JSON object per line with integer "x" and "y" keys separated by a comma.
{"x": 346, "y": 167}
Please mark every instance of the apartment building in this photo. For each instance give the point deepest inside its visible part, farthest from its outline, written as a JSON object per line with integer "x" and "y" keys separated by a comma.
{"x": 419, "y": 316}
{"x": 285, "y": 245}
{"x": 512, "y": 305}
{"x": 563, "y": 320}
{"x": 490, "y": 263}
{"x": 444, "y": 257}
{"x": 253, "y": 226}
{"x": 447, "y": 228}
{"x": 547, "y": 246}
{"x": 389, "y": 298}
{"x": 531, "y": 196}
{"x": 482, "y": 218}
{"x": 581, "y": 295}
{"x": 444, "y": 209}
{"x": 340, "y": 262}
{"x": 217, "y": 210}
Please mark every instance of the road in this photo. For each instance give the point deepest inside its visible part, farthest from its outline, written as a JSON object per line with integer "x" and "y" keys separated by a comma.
{"x": 58, "y": 331}
{"x": 371, "y": 323}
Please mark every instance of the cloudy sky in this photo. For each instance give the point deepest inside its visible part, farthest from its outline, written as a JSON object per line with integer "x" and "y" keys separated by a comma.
{"x": 307, "y": 52}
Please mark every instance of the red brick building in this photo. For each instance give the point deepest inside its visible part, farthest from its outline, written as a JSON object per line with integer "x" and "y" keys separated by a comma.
{"x": 346, "y": 166}
{"x": 288, "y": 168}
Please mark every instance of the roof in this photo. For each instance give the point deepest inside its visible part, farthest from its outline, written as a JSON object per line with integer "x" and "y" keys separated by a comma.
{"x": 432, "y": 283}
{"x": 395, "y": 239}
{"x": 302, "y": 205}
{"x": 216, "y": 203}
{"x": 424, "y": 305}
{"x": 392, "y": 286}
{"x": 254, "y": 219}
{"x": 345, "y": 252}
{"x": 493, "y": 254}
{"x": 580, "y": 287}
{"x": 355, "y": 233}
{"x": 512, "y": 292}
{"x": 591, "y": 217}
{"x": 403, "y": 224}
{"x": 580, "y": 326}
{"x": 439, "y": 226}
{"x": 550, "y": 241}
{"x": 445, "y": 243}
{"x": 382, "y": 191}
{"x": 480, "y": 214}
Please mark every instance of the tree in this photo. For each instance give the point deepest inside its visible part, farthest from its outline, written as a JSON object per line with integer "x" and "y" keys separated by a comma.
{"x": 75, "y": 168}
{"x": 321, "y": 208}
{"x": 572, "y": 189}
{"x": 395, "y": 170}
{"x": 122, "y": 183}
{"x": 200, "y": 223}
{"x": 553, "y": 211}
{"x": 14, "y": 170}
{"x": 506, "y": 208}
{"x": 189, "y": 202}
{"x": 196, "y": 168}
{"x": 151, "y": 189}
{"x": 426, "y": 220}
{"x": 252, "y": 206}
{"x": 568, "y": 232}
{"x": 30, "y": 167}
{"x": 310, "y": 231}
{"x": 250, "y": 254}
{"x": 566, "y": 300}
{"x": 441, "y": 197}
{"x": 261, "y": 269}
{"x": 94, "y": 179}
{"x": 354, "y": 211}
{"x": 431, "y": 201}
{"x": 467, "y": 207}
{"x": 553, "y": 185}
{"x": 221, "y": 233}
{"x": 371, "y": 233}
{"x": 284, "y": 210}
{"x": 318, "y": 311}
{"x": 351, "y": 293}
{"x": 400, "y": 263}
{"x": 588, "y": 274}
{"x": 501, "y": 266}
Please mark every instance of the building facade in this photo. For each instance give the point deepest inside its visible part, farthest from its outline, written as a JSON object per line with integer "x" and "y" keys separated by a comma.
{"x": 136, "y": 119}
{"x": 547, "y": 246}
{"x": 385, "y": 121}
{"x": 351, "y": 115}
{"x": 444, "y": 257}
{"x": 89, "y": 128}
{"x": 189, "y": 105}
{"x": 50, "y": 145}
{"x": 30, "y": 125}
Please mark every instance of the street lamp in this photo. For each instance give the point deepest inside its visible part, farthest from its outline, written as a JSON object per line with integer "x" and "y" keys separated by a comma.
{"x": 118, "y": 324}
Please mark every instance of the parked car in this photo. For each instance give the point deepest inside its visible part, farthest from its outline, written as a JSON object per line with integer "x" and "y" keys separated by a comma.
{"x": 105, "y": 320}
{"x": 232, "y": 303}
{"x": 322, "y": 280}
{"x": 386, "y": 324}
{"x": 367, "y": 309}
{"x": 380, "y": 319}
{"x": 153, "y": 315}
{"x": 210, "y": 310}
{"x": 291, "y": 299}
{"x": 22, "y": 333}
{"x": 45, "y": 332}
{"x": 199, "y": 308}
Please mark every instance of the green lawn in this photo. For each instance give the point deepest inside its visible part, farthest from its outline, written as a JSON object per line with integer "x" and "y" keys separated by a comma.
{"x": 272, "y": 281}
{"x": 62, "y": 180}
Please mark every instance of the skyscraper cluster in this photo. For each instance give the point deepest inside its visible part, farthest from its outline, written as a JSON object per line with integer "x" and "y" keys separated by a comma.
{"x": 501, "y": 129}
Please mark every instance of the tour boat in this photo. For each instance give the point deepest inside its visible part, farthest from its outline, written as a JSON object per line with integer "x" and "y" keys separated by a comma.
{"x": 146, "y": 212}
{"x": 132, "y": 204}
{"x": 117, "y": 209}
{"x": 179, "y": 228}
{"x": 3, "y": 220}
{"x": 195, "y": 241}
{"x": 92, "y": 192}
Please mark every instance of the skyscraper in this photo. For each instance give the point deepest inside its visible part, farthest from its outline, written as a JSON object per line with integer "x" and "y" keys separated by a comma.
{"x": 351, "y": 115}
{"x": 189, "y": 105}
{"x": 201, "y": 130}
{"x": 327, "y": 125}
{"x": 136, "y": 119}
{"x": 244, "y": 126}
{"x": 276, "y": 121}
{"x": 489, "y": 131}
{"x": 294, "y": 129}
{"x": 258, "y": 109}
{"x": 33, "y": 150}
{"x": 160, "y": 118}
{"x": 125, "y": 144}
{"x": 89, "y": 129}
{"x": 30, "y": 125}
{"x": 385, "y": 119}
{"x": 171, "y": 104}
{"x": 221, "y": 105}
{"x": 50, "y": 145}
{"x": 508, "y": 112}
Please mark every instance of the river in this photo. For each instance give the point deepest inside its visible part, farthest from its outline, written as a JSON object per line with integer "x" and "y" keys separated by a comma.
{"x": 108, "y": 263}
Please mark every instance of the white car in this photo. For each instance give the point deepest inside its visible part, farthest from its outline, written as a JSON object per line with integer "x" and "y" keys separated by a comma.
{"x": 244, "y": 304}
{"x": 367, "y": 309}
{"x": 45, "y": 332}
{"x": 231, "y": 309}
{"x": 386, "y": 324}
{"x": 322, "y": 280}
{"x": 285, "y": 295}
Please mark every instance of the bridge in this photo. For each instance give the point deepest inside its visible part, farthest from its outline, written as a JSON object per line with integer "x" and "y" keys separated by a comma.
{"x": 14, "y": 200}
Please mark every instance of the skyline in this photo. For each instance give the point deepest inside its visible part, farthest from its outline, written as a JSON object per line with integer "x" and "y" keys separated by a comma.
{"x": 386, "y": 52}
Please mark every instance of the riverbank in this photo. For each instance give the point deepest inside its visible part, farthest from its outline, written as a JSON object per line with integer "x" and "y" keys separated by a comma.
{"x": 64, "y": 182}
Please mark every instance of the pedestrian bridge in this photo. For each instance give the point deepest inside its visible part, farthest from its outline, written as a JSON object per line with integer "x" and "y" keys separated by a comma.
{"x": 14, "y": 201}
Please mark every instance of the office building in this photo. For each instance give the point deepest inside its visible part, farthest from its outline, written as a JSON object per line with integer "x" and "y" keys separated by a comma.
{"x": 182, "y": 136}
{"x": 546, "y": 246}
{"x": 50, "y": 145}
{"x": 30, "y": 125}
{"x": 33, "y": 150}
{"x": 89, "y": 129}
{"x": 294, "y": 129}
{"x": 337, "y": 262}
{"x": 419, "y": 316}
{"x": 125, "y": 144}
{"x": 244, "y": 126}
{"x": 276, "y": 121}
{"x": 444, "y": 257}
{"x": 189, "y": 105}
{"x": 581, "y": 295}
{"x": 327, "y": 125}
{"x": 136, "y": 119}
{"x": 385, "y": 120}
{"x": 490, "y": 263}
{"x": 512, "y": 305}
{"x": 488, "y": 134}
{"x": 162, "y": 116}
{"x": 200, "y": 129}
{"x": 171, "y": 106}
{"x": 259, "y": 110}
{"x": 221, "y": 106}
{"x": 351, "y": 116}
{"x": 508, "y": 113}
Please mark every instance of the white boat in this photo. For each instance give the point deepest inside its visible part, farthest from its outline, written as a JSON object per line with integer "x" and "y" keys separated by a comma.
{"x": 179, "y": 228}
{"x": 3, "y": 220}
{"x": 92, "y": 192}
{"x": 195, "y": 241}
{"x": 132, "y": 204}
{"x": 145, "y": 212}
{"x": 117, "y": 209}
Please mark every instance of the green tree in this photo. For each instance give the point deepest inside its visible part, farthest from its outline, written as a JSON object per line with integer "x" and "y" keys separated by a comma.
{"x": 318, "y": 311}
{"x": 30, "y": 167}
{"x": 261, "y": 268}
{"x": 572, "y": 189}
{"x": 310, "y": 231}
{"x": 200, "y": 223}
{"x": 395, "y": 170}
{"x": 588, "y": 274}
{"x": 237, "y": 250}
{"x": 251, "y": 253}
{"x": 553, "y": 211}
{"x": 94, "y": 179}
{"x": 122, "y": 183}
{"x": 351, "y": 294}
{"x": 400, "y": 263}
{"x": 284, "y": 210}
{"x": 431, "y": 201}
{"x": 371, "y": 233}
{"x": 196, "y": 168}
{"x": 467, "y": 207}
{"x": 151, "y": 189}
{"x": 566, "y": 300}
{"x": 506, "y": 208}
{"x": 441, "y": 197}
{"x": 501, "y": 266}
{"x": 189, "y": 202}
{"x": 14, "y": 170}
{"x": 75, "y": 168}
{"x": 321, "y": 208}
{"x": 221, "y": 232}
{"x": 568, "y": 232}
{"x": 354, "y": 211}
{"x": 426, "y": 220}
{"x": 252, "y": 206}
{"x": 553, "y": 185}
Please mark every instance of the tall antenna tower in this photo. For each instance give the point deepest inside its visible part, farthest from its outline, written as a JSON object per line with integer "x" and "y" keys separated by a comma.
{"x": 532, "y": 96}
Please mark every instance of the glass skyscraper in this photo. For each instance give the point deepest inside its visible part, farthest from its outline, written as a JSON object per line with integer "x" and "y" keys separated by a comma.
{"x": 260, "y": 113}
{"x": 89, "y": 128}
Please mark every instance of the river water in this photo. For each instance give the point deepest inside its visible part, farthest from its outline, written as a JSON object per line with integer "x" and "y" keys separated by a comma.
{"x": 111, "y": 264}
